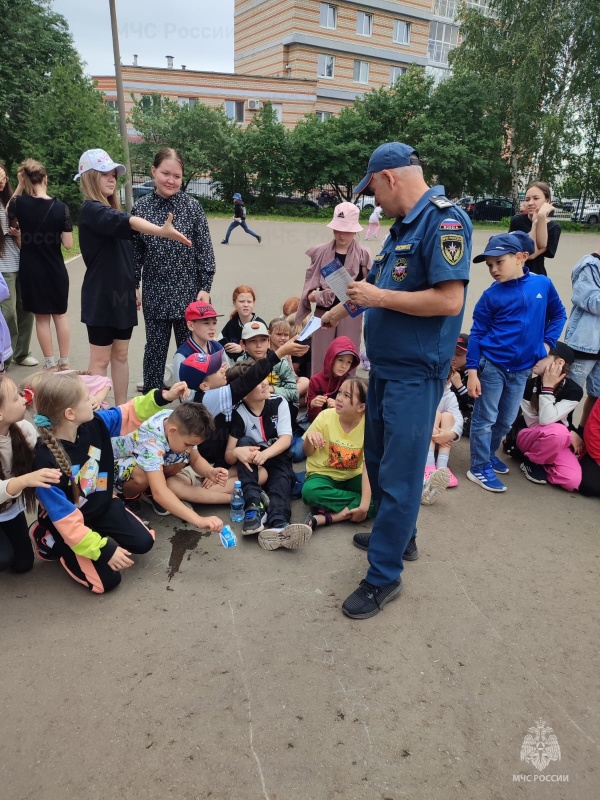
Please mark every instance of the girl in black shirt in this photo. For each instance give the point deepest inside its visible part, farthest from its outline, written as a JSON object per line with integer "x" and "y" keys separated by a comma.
{"x": 545, "y": 232}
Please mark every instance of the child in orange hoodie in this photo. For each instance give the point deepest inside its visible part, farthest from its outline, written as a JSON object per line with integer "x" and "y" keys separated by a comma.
{"x": 341, "y": 358}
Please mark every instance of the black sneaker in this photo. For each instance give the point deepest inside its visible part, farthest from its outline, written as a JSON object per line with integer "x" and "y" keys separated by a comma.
{"x": 361, "y": 540}
{"x": 412, "y": 551}
{"x": 534, "y": 472}
{"x": 156, "y": 507}
{"x": 259, "y": 239}
{"x": 224, "y": 242}
{"x": 133, "y": 505}
{"x": 254, "y": 521}
{"x": 368, "y": 600}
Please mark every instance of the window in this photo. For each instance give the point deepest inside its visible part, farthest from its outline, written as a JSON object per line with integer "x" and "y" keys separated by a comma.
{"x": 325, "y": 66}
{"x": 187, "y": 101}
{"x": 481, "y": 5}
{"x": 234, "y": 110}
{"x": 395, "y": 73}
{"x": 361, "y": 71}
{"x": 322, "y": 115}
{"x": 278, "y": 109}
{"x": 364, "y": 23}
{"x": 445, "y": 8}
{"x": 401, "y": 32}
{"x": 328, "y": 16}
{"x": 113, "y": 110}
{"x": 442, "y": 39}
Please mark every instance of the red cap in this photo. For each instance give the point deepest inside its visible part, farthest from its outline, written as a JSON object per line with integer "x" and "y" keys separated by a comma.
{"x": 199, "y": 310}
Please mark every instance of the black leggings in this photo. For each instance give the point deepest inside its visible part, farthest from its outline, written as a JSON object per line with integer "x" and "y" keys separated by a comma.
{"x": 156, "y": 351}
{"x": 590, "y": 477}
{"x": 16, "y": 552}
{"x": 118, "y": 523}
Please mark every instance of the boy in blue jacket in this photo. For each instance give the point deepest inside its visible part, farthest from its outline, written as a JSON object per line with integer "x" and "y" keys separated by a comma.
{"x": 515, "y": 324}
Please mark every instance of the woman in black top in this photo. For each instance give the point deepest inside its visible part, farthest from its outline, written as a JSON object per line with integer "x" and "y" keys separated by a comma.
{"x": 172, "y": 276}
{"x": 45, "y": 225}
{"x": 109, "y": 298}
{"x": 545, "y": 232}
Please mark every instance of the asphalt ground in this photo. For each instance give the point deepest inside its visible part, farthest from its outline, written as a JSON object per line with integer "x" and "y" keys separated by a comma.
{"x": 233, "y": 675}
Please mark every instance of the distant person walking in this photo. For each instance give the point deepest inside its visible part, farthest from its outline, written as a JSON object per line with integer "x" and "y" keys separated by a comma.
{"x": 544, "y": 231}
{"x": 239, "y": 219}
{"x": 45, "y": 225}
{"x": 19, "y": 321}
{"x": 172, "y": 275}
{"x": 374, "y": 224}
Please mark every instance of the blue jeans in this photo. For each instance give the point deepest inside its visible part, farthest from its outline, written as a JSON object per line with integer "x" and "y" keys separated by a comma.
{"x": 495, "y": 410}
{"x": 242, "y": 224}
{"x": 398, "y": 424}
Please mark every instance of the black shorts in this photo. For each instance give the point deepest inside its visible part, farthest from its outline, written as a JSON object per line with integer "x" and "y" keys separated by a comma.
{"x": 104, "y": 335}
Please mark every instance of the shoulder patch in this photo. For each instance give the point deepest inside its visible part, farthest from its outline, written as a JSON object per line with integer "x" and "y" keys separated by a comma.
{"x": 453, "y": 248}
{"x": 449, "y": 224}
{"x": 440, "y": 201}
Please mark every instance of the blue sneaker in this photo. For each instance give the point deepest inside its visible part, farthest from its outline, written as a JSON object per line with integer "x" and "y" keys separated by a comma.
{"x": 486, "y": 478}
{"x": 499, "y": 466}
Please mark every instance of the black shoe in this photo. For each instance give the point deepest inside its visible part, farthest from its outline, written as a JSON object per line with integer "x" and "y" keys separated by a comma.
{"x": 534, "y": 472}
{"x": 368, "y": 600}
{"x": 156, "y": 507}
{"x": 361, "y": 540}
{"x": 412, "y": 551}
{"x": 254, "y": 521}
{"x": 133, "y": 505}
{"x": 259, "y": 238}
{"x": 224, "y": 241}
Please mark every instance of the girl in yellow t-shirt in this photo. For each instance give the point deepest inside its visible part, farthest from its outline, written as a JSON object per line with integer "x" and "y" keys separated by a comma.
{"x": 336, "y": 479}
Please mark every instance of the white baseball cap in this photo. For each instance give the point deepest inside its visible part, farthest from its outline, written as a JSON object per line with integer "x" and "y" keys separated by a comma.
{"x": 99, "y": 160}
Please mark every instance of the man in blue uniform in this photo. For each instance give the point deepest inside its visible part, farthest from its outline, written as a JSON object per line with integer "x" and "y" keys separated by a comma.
{"x": 415, "y": 295}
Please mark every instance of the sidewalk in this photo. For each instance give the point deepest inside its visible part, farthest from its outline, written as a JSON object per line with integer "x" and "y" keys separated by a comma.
{"x": 238, "y": 678}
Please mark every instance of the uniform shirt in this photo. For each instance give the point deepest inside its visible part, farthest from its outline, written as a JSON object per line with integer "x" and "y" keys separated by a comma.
{"x": 108, "y": 289}
{"x": 430, "y": 245}
{"x": 521, "y": 222}
{"x": 342, "y": 456}
{"x": 171, "y": 273}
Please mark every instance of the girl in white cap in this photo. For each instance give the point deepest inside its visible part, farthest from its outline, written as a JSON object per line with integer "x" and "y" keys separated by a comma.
{"x": 356, "y": 259}
{"x": 109, "y": 299}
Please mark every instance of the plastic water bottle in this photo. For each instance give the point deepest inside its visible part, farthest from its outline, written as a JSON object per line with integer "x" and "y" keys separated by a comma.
{"x": 228, "y": 537}
{"x": 237, "y": 503}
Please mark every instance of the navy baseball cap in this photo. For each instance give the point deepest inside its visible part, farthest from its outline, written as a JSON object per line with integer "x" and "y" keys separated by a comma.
{"x": 198, "y": 366}
{"x": 503, "y": 243}
{"x": 387, "y": 156}
{"x": 237, "y": 196}
{"x": 563, "y": 351}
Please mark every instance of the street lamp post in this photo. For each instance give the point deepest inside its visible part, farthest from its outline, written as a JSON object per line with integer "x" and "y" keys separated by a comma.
{"x": 121, "y": 103}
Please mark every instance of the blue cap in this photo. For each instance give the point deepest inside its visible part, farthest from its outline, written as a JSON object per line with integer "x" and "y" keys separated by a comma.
{"x": 237, "y": 196}
{"x": 388, "y": 156}
{"x": 503, "y": 243}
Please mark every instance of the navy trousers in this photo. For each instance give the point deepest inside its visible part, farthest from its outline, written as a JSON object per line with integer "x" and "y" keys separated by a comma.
{"x": 398, "y": 425}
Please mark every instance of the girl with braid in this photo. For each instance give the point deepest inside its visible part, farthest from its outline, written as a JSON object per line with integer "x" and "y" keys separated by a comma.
{"x": 17, "y": 481}
{"x": 89, "y": 530}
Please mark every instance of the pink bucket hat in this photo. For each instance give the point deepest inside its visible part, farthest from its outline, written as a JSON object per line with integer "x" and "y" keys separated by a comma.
{"x": 345, "y": 218}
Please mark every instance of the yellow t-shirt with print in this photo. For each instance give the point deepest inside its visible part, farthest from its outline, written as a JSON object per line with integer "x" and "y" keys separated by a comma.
{"x": 342, "y": 456}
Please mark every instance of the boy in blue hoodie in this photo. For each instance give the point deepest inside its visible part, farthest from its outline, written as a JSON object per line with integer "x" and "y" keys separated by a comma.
{"x": 515, "y": 324}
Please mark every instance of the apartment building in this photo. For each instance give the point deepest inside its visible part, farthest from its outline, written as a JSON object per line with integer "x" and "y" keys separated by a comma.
{"x": 348, "y": 47}
{"x": 240, "y": 96}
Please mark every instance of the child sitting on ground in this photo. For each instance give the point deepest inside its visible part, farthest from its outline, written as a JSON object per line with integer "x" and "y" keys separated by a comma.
{"x": 201, "y": 321}
{"x": 89, "y": 530}
{"x": 261, "y": 433}
{"x": 98, "y": 386}
{"x": 515, "y": 323}
{"x": 458, "y": 380}
{"x": 220, "y": 390}
{"x": 341, "y": 357}
{"x": 280, "y": 332}
{"x": 336, "y": 482}
{"x": 282, "y": 380}
{"x": 161, "y": 447}
{"x": 447, "y": 429}
{"x": 545, "y": 434}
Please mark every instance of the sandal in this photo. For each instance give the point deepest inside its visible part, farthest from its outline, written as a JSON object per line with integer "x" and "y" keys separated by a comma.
{"x": 312, "y": 522}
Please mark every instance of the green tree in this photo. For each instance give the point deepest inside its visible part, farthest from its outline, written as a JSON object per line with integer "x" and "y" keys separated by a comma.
{"x": 266, "y": 152}
{"x": 199, "y": 133}
{"x": 69, "y": 96}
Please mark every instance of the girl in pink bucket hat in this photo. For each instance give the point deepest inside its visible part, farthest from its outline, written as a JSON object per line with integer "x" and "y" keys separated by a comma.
{"x": 356, "y": 259}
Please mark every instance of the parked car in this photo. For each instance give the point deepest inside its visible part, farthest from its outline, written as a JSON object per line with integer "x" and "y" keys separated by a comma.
{"x": 296, "y": 201}
{"x": 143, "y": 188}
{"x": 565, "y": 204}
{"x": 466, "y": 201}
{"x": 492, "y": 209}
{"x": 366, "y": 202}
{"x": 590, "y": 215}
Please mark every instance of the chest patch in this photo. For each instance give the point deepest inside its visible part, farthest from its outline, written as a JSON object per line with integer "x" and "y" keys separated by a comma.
{"x": 453, "y": 247}
{"x": 400, "y": 270}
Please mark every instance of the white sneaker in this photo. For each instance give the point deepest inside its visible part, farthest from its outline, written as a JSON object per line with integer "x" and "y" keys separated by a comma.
{"x": 435, "y": 484}
{"x": 291, "y": 536}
